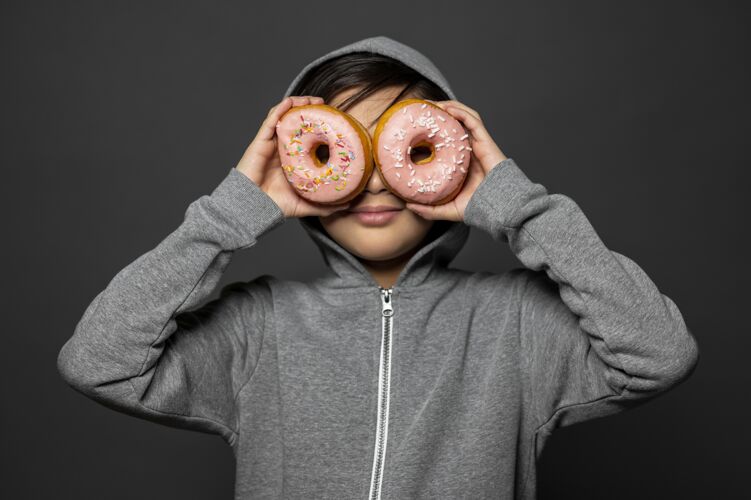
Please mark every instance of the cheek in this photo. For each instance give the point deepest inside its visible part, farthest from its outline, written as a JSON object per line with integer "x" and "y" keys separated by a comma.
{"x": 415, "y": 227}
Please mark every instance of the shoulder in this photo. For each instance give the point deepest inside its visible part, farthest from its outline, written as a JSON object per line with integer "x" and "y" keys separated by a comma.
{"x": 251, "y": 299}
{"x": 258, "y": 287}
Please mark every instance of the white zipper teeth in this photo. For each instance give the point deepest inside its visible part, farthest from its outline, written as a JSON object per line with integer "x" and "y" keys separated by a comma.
{"x": 384, "y": 386}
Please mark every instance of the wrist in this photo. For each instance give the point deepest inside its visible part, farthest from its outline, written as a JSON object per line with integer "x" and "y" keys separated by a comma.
{"x": 495, "y": 161}
{"x": 250, "y": 174}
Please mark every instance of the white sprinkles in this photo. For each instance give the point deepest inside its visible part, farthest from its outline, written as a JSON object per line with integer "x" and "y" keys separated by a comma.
{"x": 425, "y": 119}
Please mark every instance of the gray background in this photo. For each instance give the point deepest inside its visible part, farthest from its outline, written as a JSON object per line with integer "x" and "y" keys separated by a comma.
{"x": 116, "y": 115}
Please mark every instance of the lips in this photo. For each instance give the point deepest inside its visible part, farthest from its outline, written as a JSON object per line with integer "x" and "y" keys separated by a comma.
{"x": 375, "y": 215}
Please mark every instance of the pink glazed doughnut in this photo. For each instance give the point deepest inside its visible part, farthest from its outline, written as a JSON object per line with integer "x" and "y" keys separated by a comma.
{"x": 306, "y": 132}
{"x": 416, "y": 123}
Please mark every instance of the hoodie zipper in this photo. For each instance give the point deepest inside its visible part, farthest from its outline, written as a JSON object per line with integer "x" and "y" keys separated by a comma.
{"x": 384, "y": 385}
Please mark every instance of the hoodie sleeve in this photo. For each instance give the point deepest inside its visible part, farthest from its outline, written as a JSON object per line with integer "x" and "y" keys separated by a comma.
{"x": 596, "y": 334}
{"x": 143, "y": 348}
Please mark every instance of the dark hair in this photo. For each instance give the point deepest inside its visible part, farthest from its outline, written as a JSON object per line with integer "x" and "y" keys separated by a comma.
{"x": 370, "y": 71}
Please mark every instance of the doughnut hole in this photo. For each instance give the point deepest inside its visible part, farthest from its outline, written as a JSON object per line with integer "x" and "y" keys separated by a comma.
{"x": 321, "y": 154}
{"x": 422, "y": 152}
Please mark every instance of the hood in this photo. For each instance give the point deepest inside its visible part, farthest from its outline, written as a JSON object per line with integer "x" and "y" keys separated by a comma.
{"x": 443, "y": 241}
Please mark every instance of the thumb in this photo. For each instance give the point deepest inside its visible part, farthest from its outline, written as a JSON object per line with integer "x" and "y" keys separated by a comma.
{"x": 338, "y": 208}
{"x": 425, "y": 211}
{"x": 447, "y": 211}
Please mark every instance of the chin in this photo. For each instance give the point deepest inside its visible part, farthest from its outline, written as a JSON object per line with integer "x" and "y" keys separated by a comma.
{"x": 381, "y": 250}
{"x": 377, "y": 243}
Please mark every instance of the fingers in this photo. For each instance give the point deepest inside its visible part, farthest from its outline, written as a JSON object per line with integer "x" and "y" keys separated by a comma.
{"x": 447, "y": 211}
{"x": 308, "y": 208}
{"x": 456, "y": 104}
{"x": 329, "y": 211}
{"x": 468, "y": 116}
{"x": 470, "y": 120}
{"x": 302, "y": 100}
{"x": 268, "y": 128}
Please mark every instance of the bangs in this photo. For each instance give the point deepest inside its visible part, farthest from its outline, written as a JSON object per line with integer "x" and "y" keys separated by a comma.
{"x": 368, "y": 73}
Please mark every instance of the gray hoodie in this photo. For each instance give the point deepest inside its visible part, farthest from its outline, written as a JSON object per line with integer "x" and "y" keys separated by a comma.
{"x": 447, "y": 385}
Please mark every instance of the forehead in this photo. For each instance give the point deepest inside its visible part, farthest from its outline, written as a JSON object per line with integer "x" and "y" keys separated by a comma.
{"x": 372, "y": 107}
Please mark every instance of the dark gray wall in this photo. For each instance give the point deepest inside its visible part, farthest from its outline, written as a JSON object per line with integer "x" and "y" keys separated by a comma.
{"x": 116, "y": 116}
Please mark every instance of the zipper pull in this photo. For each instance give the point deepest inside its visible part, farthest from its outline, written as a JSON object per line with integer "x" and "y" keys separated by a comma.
{"x": 386, "y": 302}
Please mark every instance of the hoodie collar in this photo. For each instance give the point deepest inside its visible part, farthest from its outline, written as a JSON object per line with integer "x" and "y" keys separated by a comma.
{"x": 443, "y": 242}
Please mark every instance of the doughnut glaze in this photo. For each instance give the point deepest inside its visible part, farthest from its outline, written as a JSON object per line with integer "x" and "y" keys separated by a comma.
{"x": 415, "y": 122}
{"x": 301, "y": 131}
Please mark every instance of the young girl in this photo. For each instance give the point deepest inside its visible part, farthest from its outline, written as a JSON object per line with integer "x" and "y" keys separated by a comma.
{"x": 393, "y": 375}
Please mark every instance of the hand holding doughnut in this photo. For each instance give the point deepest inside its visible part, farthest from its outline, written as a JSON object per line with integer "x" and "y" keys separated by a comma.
{"x": 260, "y": 163}
{"x": 414, "y": 124}
{"x": 343, "y": 168}
{"x": 485, "y": 155}
{"x": 325, "y": 153}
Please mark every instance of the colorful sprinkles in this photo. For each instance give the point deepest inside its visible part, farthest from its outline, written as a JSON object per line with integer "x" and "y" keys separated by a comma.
{"x": 337, "y": 167}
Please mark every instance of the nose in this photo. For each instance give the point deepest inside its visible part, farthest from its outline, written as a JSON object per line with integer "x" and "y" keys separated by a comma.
{"x": 375, "y": 183}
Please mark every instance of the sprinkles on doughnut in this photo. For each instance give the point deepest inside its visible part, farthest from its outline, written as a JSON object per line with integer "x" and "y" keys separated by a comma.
{"x": 417, "y": 123}
{"x": 301, "y": 133}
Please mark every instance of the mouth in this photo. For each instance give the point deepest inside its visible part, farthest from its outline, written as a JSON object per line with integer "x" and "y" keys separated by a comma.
{"x": 375, "y": 215}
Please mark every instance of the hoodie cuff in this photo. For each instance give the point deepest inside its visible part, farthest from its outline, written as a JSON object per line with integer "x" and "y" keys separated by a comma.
{"x": 496, "y": 199}
{"x": 245, "y": 209}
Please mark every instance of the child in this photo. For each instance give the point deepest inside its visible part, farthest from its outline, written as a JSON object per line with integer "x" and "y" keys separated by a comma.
{"x": 392, "y": 375}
